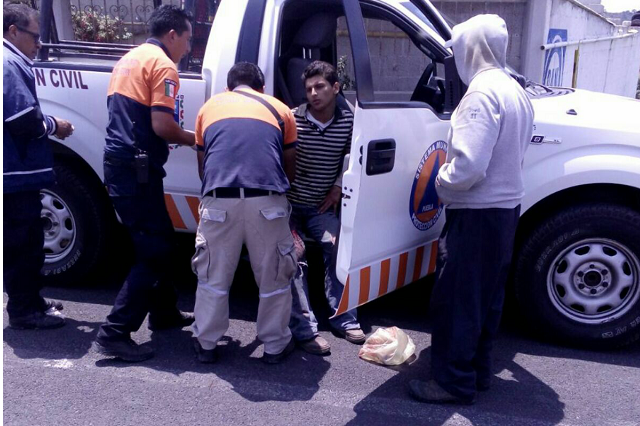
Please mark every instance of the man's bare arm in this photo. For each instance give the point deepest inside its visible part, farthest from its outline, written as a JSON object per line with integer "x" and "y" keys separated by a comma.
{"x": 165, "y": 126}
{"x": 290, "y": 163}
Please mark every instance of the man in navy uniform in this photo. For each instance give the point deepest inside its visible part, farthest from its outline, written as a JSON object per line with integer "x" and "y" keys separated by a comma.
{"x": 141, "y": 100}
{"x": 27, "y": 167}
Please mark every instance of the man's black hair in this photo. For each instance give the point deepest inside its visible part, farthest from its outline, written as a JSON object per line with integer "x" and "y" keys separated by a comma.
{"x": 321, "y": 68}
{"x": 166, "y": 18}
{"x": 245, "y": 73}
{"x": 18, "y": 14}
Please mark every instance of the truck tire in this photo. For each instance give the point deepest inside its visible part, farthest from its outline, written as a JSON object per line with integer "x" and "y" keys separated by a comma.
{"x": 577, "y": 276}
{"x": 75, "y": 221}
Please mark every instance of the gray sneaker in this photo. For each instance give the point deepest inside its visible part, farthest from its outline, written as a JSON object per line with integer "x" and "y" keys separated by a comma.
{"x": 355, "y": 336}
{"x": 317, "y": 345}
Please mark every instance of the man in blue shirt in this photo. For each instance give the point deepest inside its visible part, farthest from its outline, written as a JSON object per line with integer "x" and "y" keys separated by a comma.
{"x": 27, "y": 168}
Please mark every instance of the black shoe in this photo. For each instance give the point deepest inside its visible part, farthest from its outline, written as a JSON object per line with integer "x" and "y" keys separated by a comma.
{"x": 277, "y": 358}
{"x": 178, "y": 320}
{"x": 126, "y": 350}
{"x": 52, "y": 304}
{"x": 37, "y": 321}
{"x": 432, "y": 393}
{"x": 205, "y": 356}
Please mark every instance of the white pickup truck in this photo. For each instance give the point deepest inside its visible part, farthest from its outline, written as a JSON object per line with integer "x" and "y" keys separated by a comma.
{"x": 576, "y": 274}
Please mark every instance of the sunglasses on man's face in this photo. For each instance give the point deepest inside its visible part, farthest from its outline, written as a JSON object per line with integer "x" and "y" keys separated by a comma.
{"x": 36, "y": 36}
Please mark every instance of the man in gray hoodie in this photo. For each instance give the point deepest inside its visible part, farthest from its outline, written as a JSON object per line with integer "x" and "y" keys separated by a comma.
{"x": 481, "y": 185}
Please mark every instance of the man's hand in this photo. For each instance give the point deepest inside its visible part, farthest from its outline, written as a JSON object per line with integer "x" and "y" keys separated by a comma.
{"x": 331, "y": 200}
{"x": 65, "y": 129}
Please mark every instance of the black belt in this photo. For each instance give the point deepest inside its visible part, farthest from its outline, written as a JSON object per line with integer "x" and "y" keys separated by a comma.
{"x": 239, "y": 193}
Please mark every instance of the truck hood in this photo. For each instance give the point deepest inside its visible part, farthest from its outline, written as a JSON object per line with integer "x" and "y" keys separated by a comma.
{"x": 582, "y": 108}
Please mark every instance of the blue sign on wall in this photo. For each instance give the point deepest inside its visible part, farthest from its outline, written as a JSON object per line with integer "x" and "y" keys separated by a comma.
{"x": 554, "y": 58}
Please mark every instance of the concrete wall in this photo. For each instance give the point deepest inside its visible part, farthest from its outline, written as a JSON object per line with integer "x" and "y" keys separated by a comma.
{"x": 606, "y": 66}
{"x": 512, "y": 11}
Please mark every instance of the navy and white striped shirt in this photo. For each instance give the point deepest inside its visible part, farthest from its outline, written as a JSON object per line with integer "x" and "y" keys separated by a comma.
{"x": 319, "y": 155}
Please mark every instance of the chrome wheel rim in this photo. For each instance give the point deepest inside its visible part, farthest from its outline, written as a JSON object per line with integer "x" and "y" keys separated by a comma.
{"x": 594, "y": 281}
{"x": 59, "y": 227}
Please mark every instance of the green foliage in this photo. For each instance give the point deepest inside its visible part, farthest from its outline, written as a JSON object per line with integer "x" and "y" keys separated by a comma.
{"x": 92, "y": 26}
{"x": 346, "y": 82}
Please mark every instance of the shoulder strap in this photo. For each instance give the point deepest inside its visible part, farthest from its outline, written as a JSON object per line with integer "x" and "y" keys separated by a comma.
{"x": 268, "y": 106}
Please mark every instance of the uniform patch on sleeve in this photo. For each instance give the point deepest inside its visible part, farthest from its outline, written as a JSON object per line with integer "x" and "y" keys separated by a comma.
{"x": 170, "y": 88}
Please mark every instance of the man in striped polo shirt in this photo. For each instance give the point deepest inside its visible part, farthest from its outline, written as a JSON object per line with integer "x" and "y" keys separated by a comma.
{"x": 324, "y": 139}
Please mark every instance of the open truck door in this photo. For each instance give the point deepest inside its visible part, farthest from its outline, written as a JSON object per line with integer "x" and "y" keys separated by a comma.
{"x": 391, "y": 214}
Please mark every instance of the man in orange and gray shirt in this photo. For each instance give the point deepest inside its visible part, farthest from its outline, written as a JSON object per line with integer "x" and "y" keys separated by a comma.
{"x": 246, "y": 157}
{"x": 141, "y": 100}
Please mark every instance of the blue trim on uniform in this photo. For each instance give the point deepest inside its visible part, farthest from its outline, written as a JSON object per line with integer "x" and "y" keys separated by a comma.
{"x": 158, "y": 43}
{"x": 163, "y": 109}
{"x": 27, "y": 156}
{"x": 243, "y": 153}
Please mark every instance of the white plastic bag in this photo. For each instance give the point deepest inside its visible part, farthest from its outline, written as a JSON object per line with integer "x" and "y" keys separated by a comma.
{"x": 387, "y": 346}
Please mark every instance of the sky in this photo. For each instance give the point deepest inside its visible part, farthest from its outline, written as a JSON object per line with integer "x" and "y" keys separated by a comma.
{"x": 620, "y": 5}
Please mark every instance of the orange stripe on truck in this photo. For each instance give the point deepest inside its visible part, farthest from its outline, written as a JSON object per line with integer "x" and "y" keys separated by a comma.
{"x": 194, "y": 205}
{"x": 434, "y": 257}
{"x": 417, "y": 268}
{"x": 344, "y": 301}
{"x": 365, "y": 285}
{"x": 174, "y": 214}
{"x": 402, "y": 269}
{"x": 383, "y": 280}
{"x": 385, "y": 267}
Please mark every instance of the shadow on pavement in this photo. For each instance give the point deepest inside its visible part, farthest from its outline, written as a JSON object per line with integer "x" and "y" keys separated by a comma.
{"x": 72, "y": 341}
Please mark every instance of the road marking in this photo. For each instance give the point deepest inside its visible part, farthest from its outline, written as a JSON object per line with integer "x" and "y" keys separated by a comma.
{"x": 59, "y": 363}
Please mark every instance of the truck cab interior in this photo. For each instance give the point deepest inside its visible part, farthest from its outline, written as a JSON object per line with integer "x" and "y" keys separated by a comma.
{"x": 407, "y": 64}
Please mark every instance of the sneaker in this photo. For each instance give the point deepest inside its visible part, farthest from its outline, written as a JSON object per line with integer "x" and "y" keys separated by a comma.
{"x": 354, "y": 335}
{"x": 205, "y": 356}
{"x": 277, "y": 358}
{"x": 126, "y": 350}
{"x": 431, "y": 392}
{"x": 178, "y": 320}
{"x": 51, "y": 305}
{"x": 37, "y": 321}
{"x": 317, "y": 345}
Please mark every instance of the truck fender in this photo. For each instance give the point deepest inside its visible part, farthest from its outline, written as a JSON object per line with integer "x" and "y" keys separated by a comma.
{"x": 567, "y": 171}
{"x": 88, "y": 139}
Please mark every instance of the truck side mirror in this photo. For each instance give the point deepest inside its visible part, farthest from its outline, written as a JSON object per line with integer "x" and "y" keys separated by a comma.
{"x": 455, "y": 88}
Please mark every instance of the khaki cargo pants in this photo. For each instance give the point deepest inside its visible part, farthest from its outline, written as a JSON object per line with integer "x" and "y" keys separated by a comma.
{"x": 262, "y": 225}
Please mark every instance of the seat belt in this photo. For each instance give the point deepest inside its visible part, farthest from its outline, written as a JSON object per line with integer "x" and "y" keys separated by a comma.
{"x": 268, "y": 106}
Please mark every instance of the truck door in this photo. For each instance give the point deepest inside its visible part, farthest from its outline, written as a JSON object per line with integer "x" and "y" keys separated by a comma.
{"x": 391, "y": 214}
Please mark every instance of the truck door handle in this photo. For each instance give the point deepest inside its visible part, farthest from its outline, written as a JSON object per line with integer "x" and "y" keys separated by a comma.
{"x": 381, "y": 156}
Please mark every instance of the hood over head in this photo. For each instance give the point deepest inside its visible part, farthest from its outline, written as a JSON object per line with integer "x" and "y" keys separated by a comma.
{"x": 479, "y": 43}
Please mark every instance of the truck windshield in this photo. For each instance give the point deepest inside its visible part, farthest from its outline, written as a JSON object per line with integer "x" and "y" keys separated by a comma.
{"x": 418, "y": 14}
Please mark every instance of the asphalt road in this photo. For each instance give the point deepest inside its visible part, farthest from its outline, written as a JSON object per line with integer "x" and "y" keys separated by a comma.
{"x": 53, "y": 378}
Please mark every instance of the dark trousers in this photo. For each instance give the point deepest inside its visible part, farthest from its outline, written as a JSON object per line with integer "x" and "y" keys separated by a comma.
{"x": 148, "y": 287}
{"x": 23, "y": 243}
{"x": 474, "y": 254}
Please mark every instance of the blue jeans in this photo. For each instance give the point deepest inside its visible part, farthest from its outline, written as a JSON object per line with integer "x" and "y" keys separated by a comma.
{"x": 322, "y": 228}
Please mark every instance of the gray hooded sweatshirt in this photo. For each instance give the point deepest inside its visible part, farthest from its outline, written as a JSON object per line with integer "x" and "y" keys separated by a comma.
{"x": 492, "y": 126}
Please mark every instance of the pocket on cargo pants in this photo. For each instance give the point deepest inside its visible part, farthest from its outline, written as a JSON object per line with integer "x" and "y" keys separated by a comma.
{"x": 201, "y": 260}
{"x": 287, "y": 261}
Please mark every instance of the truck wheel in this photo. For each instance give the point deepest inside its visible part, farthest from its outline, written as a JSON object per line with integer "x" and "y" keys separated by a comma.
{"x": 75, "y": 224}
{"x": 577, "y": 276}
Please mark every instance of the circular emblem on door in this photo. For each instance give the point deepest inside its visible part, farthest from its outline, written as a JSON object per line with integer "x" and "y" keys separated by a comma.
{"x": 424, "y": 205}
